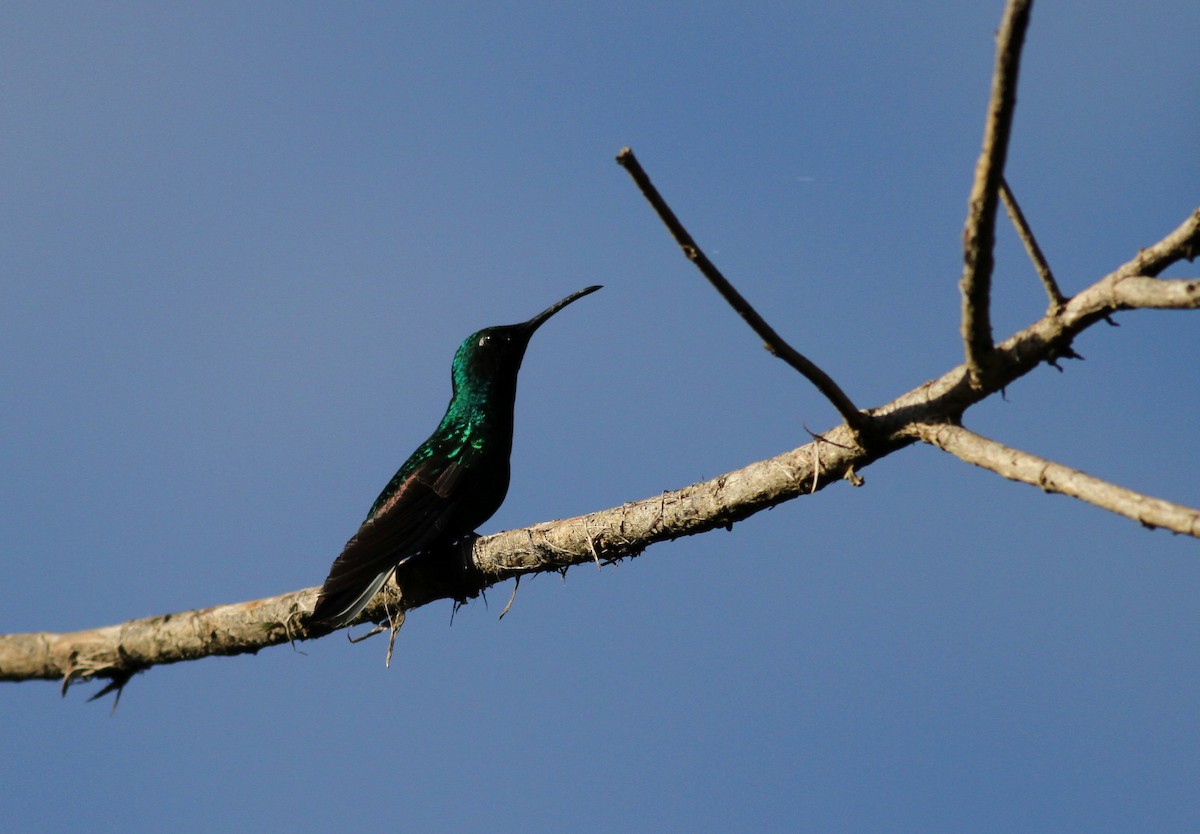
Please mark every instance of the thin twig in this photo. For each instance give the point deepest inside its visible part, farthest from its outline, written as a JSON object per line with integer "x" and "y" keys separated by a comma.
{"x": 979, "y": 235}
{"x": 394, "y": 626}
{"x": 516, "y": 585}
{"x": 1057, "y": 299}
{"x": 1054, "y": 477}
{"x": 772, "y": 341}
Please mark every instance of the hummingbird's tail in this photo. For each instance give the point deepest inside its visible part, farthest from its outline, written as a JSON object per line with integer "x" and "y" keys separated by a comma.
{"x": 338, "y": 608}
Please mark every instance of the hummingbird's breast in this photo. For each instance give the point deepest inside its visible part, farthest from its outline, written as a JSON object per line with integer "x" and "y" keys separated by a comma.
{"x": 482, "y": 447}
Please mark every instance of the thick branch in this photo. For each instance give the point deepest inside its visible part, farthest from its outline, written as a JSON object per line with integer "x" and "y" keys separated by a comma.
{"x": 979, "y": 236}
{"x": 1054, "y": 477}
{"x": 238, "y": 628}
{"x": 609, "y": 535}
{"x": 629, "y": 529}
{"x": 772, "y": 341}
{"x": 1140, "y": 292}
{"x": 626, "y": 530}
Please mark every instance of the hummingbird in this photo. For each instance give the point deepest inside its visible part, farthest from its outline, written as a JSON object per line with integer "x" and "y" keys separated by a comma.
{"x": 452, "y": 483}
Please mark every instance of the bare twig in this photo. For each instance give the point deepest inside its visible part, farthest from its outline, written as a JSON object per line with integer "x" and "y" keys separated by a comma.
{"x": 1181, "y": 244}
{"x": 772, "y": 341}
{"x": 980, "y": 232}
{"x": 1054, "y": 477}
{"x": 1057, "y": 299}
{"x": 511, "y": 599}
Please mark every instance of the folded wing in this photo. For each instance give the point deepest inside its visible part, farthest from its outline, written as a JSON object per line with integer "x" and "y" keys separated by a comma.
{"x": 415, "y": 515}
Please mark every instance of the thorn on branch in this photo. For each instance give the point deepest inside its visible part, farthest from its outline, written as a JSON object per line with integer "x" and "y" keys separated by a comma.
{"x": 822, "y": 438}
{"x": 117, "y": 682}
{"x": 1066, "y": 352}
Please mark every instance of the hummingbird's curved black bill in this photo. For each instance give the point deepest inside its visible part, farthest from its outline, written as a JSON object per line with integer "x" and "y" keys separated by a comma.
{"x": 537, "y": 321}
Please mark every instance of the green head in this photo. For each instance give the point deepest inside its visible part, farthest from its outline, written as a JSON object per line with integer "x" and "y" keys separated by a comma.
{"x": 488, "y": 360}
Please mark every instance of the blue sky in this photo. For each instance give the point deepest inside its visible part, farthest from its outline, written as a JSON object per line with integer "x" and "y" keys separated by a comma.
{"x": 241, "y": 243}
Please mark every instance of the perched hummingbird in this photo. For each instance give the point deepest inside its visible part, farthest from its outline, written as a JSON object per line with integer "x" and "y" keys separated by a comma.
{"x": 452, "y": 483}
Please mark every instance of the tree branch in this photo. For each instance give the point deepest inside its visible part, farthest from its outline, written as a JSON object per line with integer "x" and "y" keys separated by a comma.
{"x": 118, "y": 651}
{"x": 772, "y": 341}
{"x": 1031, "y": 246}
{"x": 608, "y": 536}
{"x": 1054, "y": 477}
{"x": 1140, "y": 292}
{"x": 979, "y": 236}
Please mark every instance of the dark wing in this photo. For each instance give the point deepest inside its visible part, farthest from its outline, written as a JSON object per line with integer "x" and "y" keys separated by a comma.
{"x": 412, "y": 517}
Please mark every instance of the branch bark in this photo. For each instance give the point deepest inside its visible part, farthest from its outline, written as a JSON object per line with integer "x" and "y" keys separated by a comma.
{"x": 1054, "y": 477}
{"x": 979, "y": 236}
{"x": 118, "y": 651}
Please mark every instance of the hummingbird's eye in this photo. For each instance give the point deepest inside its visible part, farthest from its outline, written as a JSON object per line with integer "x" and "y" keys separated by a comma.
{"x": 495, "y": 340}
